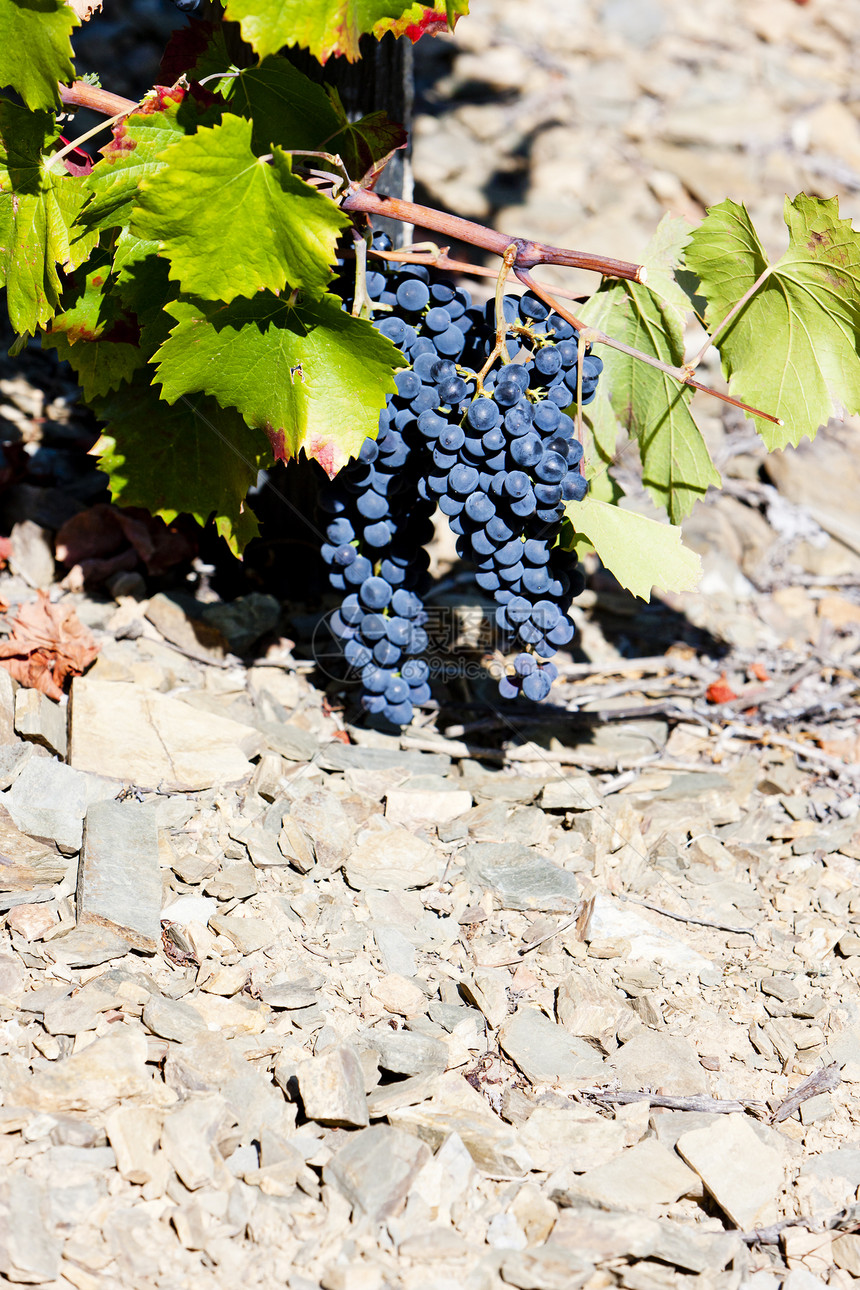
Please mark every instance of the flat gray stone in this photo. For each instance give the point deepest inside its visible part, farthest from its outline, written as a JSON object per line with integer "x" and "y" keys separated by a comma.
{"x": 600, "y": 1236}
{"x": 175, "y": 745}
{"x": 405, "y": 1053}
{"x": 49, "y": 801}
{"x": 329, "y": 823}
{"x": 545, "y": 1052}
{"x": 244, "y": 620}
{"x": 172, "y": 1018}
{"x": 87, "y": 947}
{"x": 395, "y": 950}
{"x": 388, "y": 857}
{"x": 289, "y": 741}
{"x": 40, "y": 720}
{"x": 27, "y": 864}
{"x": 338, "y": 756}
{"x": 646, "y": 1177}
{"x": 77, "y": 1013}
{"x": 375, "y": 1170}
{"x": 247, "y": 934}
{"x": 97, "y": 1078}
{"x": 545, "y": 1269}
{"x": 119, "y": 877}
{"x": 570, "y": 793}
{"x": 32, "y": 555}
{"x": 179, "y": 619}
{"x": 843, "y": 1162}
{"x": 456, "y": 1107}
{"x": 520, "y": 878}
{"x": 14, "y": 754}
{"x": 29, "y": 1250}
{"x": 659, "y": 1062}
{"x": 559, "y": 1137}
{"x": 7, "y": 710}
{"x": 189, "y": 1138}
{"x": 332, "y": 1088}
{"x": 744, "y": 1176}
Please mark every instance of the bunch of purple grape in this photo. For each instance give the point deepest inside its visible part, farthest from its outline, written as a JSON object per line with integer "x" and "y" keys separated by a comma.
{"x": 501, "y": 464}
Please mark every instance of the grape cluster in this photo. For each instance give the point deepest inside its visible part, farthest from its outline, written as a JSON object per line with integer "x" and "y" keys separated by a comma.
{"x": 500, "y": 462}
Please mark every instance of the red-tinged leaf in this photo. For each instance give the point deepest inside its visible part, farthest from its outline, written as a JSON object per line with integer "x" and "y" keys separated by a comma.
{"x": 76, "y": 162}
{"x": 306, "y": 373}
{"x": 94, "y": 334}
{"x": 167, "y": 115}
{"x": 47, "y": 644}
{"x": 366, "y": 145}
{"x": 432, "y": 20}
{"x": 185, "y": 46}
{"x": 720, "y": 691}
{"x": 760, "y": 672}
{"x": 329, "y": 27}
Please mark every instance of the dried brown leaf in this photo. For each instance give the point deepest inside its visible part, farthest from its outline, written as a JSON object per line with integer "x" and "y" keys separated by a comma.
{"x": 47, "y": 644}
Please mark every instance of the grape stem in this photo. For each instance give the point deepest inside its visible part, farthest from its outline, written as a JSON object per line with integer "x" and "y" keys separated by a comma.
{"x": 499, "y": 351}
{"x": 594, "y": 337}
{"x": 359, "y": 201}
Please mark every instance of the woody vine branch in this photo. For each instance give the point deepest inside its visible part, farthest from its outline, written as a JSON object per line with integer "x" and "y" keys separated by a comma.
{"x": 523, "y": 253}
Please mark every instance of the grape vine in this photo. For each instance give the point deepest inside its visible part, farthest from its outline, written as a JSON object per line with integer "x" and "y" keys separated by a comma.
{"x": 210, "y": 346}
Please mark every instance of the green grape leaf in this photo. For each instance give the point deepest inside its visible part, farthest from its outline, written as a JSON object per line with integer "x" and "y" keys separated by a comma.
{"x": 35, "y": 49}
{"x": 231, "y": 224}
{"x": 290, "y": 110}
{"x": 132, "y": 155}
{"x": 793, "y": 348}
{"x": 310, "y": 375}
{"x": 654, "y": 408}
{"x": 286, "y": 107}
{"x": 327, "y": 27}
{"x": 364, "y": 143}
{"x": 641, "y": 553}
{"x": 600, "y": 428}
{"x": 94, "y": 334}
{"x": 201, "y": 462}
{"x": 38, "y": 209}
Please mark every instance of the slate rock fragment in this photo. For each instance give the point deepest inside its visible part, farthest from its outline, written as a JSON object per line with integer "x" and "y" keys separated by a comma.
{"x": 375, "y": 1169}
{"x": 119, "y": 877}
{"x": 520, "y": 878}
{"x": 545, "y": 1052}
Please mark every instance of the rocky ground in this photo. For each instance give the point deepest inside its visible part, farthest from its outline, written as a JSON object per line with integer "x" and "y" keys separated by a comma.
{"x": 545, "y": 998}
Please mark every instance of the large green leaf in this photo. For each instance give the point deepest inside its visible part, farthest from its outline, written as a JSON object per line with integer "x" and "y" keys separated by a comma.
{"x": 35, "y": 49}
{"x": 361, "y": 144}
{"x": 793, "y": 349}
{"x": 233, "y": 224}
{"x": 132, "y": 154}
{"x": 38, "y": 209}
{"x": 327, "y": 27}
{"x": 195, "y": 458}
{"x": 311, "y": 376}
{"x": 94, "y": 334}
{"x": 676, "y": 466}
{"x": 641, "y": 553}
{"x": 600, "y": 430}
{"x": 286, "y": 107}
